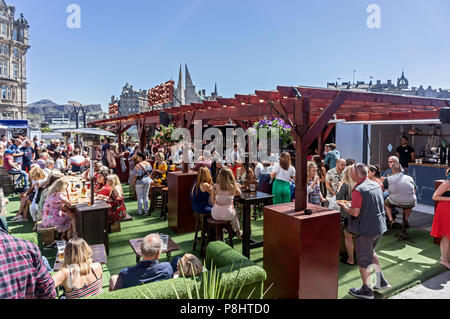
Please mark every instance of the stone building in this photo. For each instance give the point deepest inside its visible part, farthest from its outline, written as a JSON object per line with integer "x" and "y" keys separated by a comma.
{"x": 14, "y": 45}
{"x": 131, "y": 101}
{"x": 401, "y": 88}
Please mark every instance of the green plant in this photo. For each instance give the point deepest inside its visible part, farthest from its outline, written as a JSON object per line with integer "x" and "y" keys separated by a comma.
{"x": 164, "y": 137}
{"x": 276, "y": 124}
{"x": 211, "y": 286}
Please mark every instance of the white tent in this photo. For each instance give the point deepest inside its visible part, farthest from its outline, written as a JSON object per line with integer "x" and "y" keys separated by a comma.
{"x": 87, "y": 131}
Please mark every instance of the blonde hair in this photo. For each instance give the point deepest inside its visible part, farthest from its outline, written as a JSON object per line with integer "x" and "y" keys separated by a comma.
{"x": 226, "y": 180}
{"x": 37, "y": 174}
{"x": 77, "y": 256}
{"x": 204, "y": 176}
{"x": 310, "y": 165}
{"x": 58, "y": 186}
{"x": 115, "y": 183}
{"x": 189, "y": 265}
{"x": 347, "y": 178}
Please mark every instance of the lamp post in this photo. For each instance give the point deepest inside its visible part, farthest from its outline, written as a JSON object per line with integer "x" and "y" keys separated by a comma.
{"x": 77, "y": 107}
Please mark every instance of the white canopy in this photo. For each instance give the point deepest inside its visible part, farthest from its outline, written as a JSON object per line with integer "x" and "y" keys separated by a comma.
{"x": 87, "y": 131}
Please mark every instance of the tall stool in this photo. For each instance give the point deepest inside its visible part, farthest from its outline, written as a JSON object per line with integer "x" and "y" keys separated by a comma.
{"x": 218, "y": 226}
{"x": 202, "y": 226}
{"x": 165, "y": 201}
{"x": 156, "y": 198}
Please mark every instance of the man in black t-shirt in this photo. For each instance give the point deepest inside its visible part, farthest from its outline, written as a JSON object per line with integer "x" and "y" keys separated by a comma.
{"x": 405, "y": 153}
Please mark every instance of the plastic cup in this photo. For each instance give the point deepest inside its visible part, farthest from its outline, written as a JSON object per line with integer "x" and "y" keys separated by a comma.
{"x": 165, "y": 241}
{"x": 61, "y": 246}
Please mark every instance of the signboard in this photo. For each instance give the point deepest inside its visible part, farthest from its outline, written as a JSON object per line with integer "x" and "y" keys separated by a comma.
{"x": 161, "y": 94}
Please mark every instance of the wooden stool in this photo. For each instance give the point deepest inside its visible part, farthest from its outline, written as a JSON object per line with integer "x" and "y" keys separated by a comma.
{"x": 156, "y": 198}
{"x": 201, "y": 224}
{"x": 48, "y": 233}
{"x": 165, "y": 201}
{"x": 218, "y": 226}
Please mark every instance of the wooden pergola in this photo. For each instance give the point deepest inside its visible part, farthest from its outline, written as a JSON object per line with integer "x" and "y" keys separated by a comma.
{"x": 307, "y": 109}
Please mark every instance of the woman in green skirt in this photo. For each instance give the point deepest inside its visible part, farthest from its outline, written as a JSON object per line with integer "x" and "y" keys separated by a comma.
{"x": 283, "y": 173}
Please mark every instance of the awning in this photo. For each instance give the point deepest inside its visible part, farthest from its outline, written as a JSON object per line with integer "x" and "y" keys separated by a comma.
{"x": 11, "y": 124}
{"x": 87, "y": 131}
{"x": 391, "y": 122}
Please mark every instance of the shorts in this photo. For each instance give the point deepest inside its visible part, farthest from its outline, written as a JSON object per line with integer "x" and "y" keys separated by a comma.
{"x": 365, "y": 249}
{"x": 389, "y": 204}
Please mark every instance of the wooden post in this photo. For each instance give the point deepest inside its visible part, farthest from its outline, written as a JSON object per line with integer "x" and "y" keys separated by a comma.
{"x": 320, "y": 145}
{"x": 301, "y": 110}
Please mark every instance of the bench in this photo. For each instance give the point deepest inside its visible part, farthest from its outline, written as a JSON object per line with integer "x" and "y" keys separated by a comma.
{"x": 115, "y": 228}
{"x": 48, "y": 233}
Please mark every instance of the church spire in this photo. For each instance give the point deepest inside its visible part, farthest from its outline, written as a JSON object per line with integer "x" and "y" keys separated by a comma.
{"x": 188, "y": 77}
{"x": 180, "y": 90}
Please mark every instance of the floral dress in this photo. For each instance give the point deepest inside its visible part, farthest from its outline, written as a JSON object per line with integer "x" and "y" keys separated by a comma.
{"x": 52, "y": 214}
{"x": 117, "y": 209}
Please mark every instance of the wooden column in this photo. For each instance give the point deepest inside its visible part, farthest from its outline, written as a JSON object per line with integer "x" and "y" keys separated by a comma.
{"x": 301, "y": 110}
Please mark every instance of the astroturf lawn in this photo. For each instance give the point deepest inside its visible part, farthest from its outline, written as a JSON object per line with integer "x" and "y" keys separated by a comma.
{"x": 404, "y": 264}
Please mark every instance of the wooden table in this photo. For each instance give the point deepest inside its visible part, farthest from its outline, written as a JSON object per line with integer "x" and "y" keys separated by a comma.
{"x": 248, "y": 199}
{"x": 136, "y": 245}
{"x": 92, "y": 223}
{"x": 98, "y": 256}
{"x": 301, "y": 252}
{"x": 180, "y": 214}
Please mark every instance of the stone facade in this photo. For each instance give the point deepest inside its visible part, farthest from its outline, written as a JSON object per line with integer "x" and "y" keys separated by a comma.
{"x": 401, "y": 88}
{"x": 131, "y": 101}
{"x": 14, "y": 45}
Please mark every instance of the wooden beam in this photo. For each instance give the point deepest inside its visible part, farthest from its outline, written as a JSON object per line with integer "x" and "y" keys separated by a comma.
{"x": 323, "y": 120}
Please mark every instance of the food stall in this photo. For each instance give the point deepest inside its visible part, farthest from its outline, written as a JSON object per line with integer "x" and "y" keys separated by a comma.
{"x": 379, "y": 140}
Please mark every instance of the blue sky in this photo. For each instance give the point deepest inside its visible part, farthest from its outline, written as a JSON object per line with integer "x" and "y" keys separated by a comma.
{"x": 242, "y": 45}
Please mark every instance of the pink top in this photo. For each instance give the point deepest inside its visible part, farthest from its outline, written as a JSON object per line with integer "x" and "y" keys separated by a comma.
{"x": 6, "y": 162}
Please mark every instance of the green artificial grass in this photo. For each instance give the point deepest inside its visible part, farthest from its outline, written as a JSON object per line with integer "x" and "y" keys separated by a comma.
{"x": 404, "y": 264}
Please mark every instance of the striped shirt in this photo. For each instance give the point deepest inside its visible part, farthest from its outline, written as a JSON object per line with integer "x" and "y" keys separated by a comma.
{"x": 93, "y": 289}
{"x": 23, "y": 274}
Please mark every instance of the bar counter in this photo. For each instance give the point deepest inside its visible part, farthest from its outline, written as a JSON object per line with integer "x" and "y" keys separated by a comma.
{"x": 424, "y": 176}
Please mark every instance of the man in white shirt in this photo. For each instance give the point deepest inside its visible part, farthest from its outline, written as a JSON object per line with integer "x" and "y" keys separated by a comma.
{"x": 3, "y": 142}
{"x": 76, "y": 161}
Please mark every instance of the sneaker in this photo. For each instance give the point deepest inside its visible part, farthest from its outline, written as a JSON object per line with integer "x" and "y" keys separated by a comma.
{"x": 383, "y": 285}
{"x": 139, "y": 213}
{"x": 16, "y": 218}
{"x": 364, "y": 292}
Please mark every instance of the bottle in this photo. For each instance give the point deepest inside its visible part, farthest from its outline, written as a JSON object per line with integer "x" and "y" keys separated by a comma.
{"x": 83, "y": 190}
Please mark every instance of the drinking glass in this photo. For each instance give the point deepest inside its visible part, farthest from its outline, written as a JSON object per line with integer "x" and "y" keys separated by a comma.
{"x": 253, "y": 187}
{"x": 61, "y": 246}
{"x": 165, "y": 241}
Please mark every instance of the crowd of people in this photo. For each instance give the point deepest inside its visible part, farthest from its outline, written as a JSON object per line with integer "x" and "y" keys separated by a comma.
{"x": 368, "y": 201}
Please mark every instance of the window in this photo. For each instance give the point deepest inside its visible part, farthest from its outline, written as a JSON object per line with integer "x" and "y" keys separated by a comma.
{"x": 8, "y": 92}
{"x": 16, "y": 53}
{"x": 3, "y": 91}
{"x": 3, "y": 29}
{"x": 3, "y": 68}
{"x": 15, "y": 34}
{"x": 16, "y": 70}
{"x": 5, "y": 49}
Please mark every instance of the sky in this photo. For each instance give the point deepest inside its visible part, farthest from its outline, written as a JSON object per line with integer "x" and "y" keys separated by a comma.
{"x": 242, "y": 45}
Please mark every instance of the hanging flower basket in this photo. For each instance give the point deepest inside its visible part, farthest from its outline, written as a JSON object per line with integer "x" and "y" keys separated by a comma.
{"x": 284, "y": 130}
{"x": 163, "y": 139}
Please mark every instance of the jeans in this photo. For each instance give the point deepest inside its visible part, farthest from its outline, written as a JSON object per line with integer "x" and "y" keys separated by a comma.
{"x": 23, "y": 175}
{"x": 142, "y": 189}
